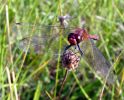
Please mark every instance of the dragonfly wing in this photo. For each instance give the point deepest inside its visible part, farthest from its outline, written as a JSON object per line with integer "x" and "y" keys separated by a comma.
{"x": 38, "y": 40}
{"x": 98, "y": 62}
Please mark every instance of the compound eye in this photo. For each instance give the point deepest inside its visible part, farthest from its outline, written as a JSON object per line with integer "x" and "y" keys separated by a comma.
{"x": 72, "y": 39}
{"x": 71, "y": 35}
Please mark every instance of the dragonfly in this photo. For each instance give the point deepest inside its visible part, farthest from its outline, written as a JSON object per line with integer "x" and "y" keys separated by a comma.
{"x": 89, "y": 51}
{"x": 44, "y": 39}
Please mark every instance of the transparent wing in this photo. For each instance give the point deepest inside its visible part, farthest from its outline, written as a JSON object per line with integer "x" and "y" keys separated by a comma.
{"x": 40, "y": 39}
{"x": 95, "y": 59}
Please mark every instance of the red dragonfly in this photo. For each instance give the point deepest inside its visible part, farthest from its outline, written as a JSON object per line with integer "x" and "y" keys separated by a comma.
{"x": 44, "y": 41}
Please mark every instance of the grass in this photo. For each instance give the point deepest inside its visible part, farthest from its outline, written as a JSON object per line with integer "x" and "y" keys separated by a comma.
{"x": 38, "y": 76}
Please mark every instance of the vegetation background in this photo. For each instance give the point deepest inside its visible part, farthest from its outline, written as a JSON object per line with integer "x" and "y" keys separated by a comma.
{"x": 29, "y": 76}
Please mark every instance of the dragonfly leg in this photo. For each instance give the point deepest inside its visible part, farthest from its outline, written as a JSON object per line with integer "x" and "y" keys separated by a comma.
{"x": 80, "y": 50}
{"x": 75, "y": 47}
{"x": 66, "y": 48}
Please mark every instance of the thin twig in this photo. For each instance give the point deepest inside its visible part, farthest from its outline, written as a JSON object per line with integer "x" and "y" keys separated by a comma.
{"x": 63, "y": 82}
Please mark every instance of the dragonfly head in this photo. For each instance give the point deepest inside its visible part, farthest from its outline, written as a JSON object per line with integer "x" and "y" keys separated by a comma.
{"x": 72, "y": 39}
